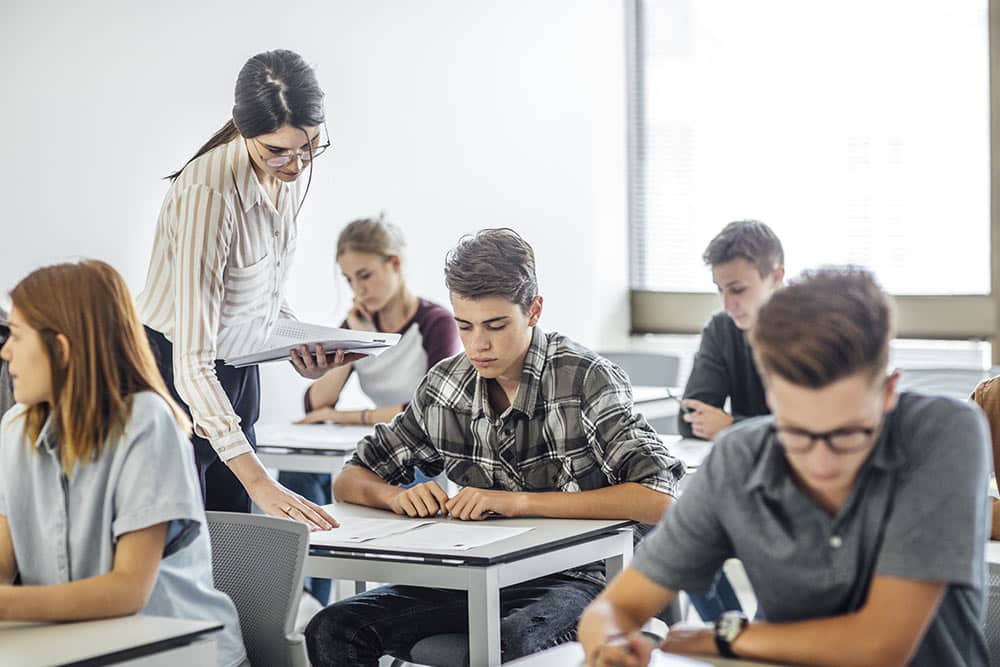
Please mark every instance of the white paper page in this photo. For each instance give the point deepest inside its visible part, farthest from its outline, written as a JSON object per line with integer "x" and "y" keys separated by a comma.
{"x": 454, "y": 534}
{"x": 355, "y": 531}
{"x": 661, "y": 659}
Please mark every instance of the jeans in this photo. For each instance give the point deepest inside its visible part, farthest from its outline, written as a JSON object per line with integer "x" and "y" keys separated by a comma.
{"x": 719, "y": 598}
{"x": 389, "y": 620}
{"x": 317, "y": 487}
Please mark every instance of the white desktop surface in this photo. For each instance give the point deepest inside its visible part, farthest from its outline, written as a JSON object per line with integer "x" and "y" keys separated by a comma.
{"x": 571, "y": 655}
{"x": 554, "y": 545}
{"x": 691, "y": 451}
{"x": 545, "y": 532}
{"x": 38, "y": 644}
{"x": 322, "y": 437}
{"x": 993, "y": 552}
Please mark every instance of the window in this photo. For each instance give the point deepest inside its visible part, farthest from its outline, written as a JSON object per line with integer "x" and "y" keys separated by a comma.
{"x": 858, "y": 130}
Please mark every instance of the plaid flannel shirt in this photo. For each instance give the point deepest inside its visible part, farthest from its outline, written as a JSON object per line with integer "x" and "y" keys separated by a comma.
{"x": 570, "y": 428}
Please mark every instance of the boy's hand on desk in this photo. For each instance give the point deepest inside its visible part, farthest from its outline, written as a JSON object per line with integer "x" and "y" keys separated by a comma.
{"x": 474, "y": 504}
{"x": 328, "y": 414}
{"x": 422, "y": 500}
{"x": 706, "y": 420}
{"x": 633, "y": 650}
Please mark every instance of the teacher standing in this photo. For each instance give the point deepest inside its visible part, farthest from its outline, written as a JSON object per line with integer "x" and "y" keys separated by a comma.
{"x": 216, "y": 281}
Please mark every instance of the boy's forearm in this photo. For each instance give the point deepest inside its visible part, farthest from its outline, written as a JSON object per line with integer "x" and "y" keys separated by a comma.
{"x": 631, "y": 501}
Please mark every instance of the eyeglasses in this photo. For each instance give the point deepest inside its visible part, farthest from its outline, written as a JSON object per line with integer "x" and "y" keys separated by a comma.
{"x": 281, "y": 159}
{"x": 839, "y": 441}
{"x": 4, "y": 334}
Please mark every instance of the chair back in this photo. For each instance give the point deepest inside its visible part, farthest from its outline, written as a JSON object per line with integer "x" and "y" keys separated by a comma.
{"x": 257, "y": 561}
{"x": 993, "y": 614}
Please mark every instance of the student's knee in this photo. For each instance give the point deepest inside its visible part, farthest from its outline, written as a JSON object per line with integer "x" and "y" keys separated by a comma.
{"x": 332, "y": 630}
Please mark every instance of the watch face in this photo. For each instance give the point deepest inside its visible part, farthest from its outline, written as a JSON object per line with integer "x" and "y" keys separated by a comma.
{"x": 731, "y": 623}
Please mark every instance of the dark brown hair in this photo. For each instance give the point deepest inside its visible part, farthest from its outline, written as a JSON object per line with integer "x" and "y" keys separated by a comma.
{"x": 273, "y": 89}
{"x": 750, "y": 239}
{"x": 827, "y": 324}
{"x": 493, "y": 262}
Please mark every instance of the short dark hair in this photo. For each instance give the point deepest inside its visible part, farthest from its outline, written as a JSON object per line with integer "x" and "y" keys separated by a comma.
{"x": 827, "y": 324}
{"x": 492, "y": 262}
{"x": 750, "y": 239}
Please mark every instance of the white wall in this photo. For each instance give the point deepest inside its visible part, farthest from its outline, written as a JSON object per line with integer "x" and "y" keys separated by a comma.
{"x": 451, "y": 115}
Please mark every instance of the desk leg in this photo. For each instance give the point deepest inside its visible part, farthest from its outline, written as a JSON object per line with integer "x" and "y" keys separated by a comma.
{"x": 615, "y": 564}
{"x": 484, "y": 618}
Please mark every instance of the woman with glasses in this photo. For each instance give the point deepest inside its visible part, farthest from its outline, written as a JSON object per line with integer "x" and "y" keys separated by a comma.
{"x": 215, "y": 286}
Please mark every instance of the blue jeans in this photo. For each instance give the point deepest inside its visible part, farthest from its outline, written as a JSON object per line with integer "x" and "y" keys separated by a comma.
{"x": 317, "y": 487}
{"x": 389, "y": 620}
{"x": 719, "y": 598}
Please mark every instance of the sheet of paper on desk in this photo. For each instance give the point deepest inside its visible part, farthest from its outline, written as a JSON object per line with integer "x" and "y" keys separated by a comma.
{"x": 661, "y": 659}
{"x": 454, "y": 534}
{"x": 354, "y": 531}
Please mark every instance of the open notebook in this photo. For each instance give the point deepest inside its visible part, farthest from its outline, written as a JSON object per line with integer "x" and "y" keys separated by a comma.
{"x": 288, "y": 334}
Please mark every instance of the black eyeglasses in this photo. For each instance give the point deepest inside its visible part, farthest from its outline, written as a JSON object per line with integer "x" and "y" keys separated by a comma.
{"x": 307, "y": 155}
{"x": 839, "y": 441}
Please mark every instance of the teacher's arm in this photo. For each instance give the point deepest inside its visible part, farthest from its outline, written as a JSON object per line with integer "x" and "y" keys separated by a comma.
{"x": 201, "y": 253}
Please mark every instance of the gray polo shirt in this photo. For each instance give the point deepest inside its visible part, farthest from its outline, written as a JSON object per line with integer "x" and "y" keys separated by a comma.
{"x": 917, "y": 511}
{"x": 66, "y": 528}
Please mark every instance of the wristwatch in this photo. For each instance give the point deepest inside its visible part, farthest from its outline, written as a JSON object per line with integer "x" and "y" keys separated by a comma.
{"x": 727, "y": 628}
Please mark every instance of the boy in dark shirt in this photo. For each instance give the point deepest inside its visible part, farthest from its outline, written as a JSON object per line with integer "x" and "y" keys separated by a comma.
{"x": 747, "y": 264}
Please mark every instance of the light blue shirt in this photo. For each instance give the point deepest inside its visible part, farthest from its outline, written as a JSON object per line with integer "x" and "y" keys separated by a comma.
{"x": 65, "y": 528}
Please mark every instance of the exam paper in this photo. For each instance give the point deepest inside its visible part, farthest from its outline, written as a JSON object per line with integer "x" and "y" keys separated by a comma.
{"x": 354, "y": 531}
{"x": 455, "y": 534}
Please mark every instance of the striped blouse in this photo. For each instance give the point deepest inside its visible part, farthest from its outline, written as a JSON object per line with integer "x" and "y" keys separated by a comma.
{"x": 216, "y": 279}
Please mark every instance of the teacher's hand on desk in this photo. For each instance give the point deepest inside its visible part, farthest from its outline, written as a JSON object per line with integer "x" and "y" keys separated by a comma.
{"x": 315, "y": 364}
{"x": 632, "y": 650}
{"x": 278, "y": 501}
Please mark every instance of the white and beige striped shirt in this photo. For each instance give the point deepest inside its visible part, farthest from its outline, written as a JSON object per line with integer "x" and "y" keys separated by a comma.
{"x": 216, "y": 279}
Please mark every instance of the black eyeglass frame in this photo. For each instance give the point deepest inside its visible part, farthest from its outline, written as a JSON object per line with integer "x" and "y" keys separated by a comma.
{"x": 828, "y": 438}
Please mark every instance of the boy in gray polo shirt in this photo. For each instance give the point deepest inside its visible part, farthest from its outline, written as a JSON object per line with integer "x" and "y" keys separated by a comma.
{"x": 858, "y": 512}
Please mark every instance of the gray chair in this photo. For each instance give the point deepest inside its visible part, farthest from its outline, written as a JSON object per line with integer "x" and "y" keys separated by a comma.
{"x": 954, "y": 382}
{"x": 257, "y": 561}
{"x": 650, "y": 369}
{"x": 993, "y": 614}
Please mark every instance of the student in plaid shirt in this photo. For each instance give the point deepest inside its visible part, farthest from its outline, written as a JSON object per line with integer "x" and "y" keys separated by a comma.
{"x": 529, "y": 424}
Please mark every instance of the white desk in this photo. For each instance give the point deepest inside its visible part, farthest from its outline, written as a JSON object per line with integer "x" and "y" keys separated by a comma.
{"x": 571, "y": 655}
{"x": 656, "y": 402}
{"x": 308, "y": 447}
{"x": 146, "y": 641}
{"x": 553, "y": 546}
{"x": 691, "y": 451}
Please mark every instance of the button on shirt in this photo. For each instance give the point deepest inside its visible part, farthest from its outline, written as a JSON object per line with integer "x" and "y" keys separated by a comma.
{"x": 216, "y": 279}
{"x": 65, "y": 528}
{"x": 569, "y": 428}
{"x": 917, "y": 511}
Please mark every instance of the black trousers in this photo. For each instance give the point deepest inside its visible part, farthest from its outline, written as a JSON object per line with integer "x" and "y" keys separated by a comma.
{"x": 220, "y": 488}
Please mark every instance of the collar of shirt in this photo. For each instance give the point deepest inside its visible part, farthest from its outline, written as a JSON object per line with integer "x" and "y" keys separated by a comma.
{"x": 526, "y": 399}
{"x": 772, "y": 475}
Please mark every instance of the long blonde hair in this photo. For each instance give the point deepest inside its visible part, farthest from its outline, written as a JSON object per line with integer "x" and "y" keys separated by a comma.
{"x": 109, "y": 356}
